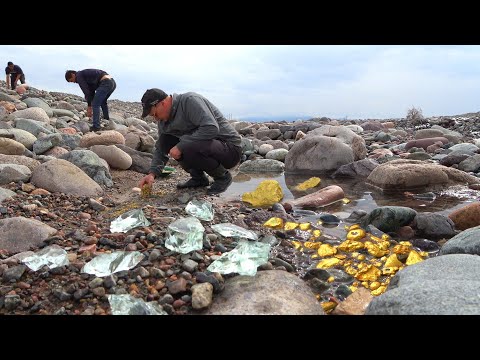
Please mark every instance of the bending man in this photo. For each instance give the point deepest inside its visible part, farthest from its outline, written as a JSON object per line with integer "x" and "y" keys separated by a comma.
{"x": 195, "y": 133}
{"x": 97, "y": 86}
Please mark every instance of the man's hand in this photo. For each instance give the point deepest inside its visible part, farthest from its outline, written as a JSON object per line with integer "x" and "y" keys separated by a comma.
{"x": 149, "y": 179}
{"x": 89, "y": 111}
{"x": 175, "y": 153}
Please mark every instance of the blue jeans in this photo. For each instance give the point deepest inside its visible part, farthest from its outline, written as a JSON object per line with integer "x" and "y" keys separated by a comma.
{"x": 103, "y": 92}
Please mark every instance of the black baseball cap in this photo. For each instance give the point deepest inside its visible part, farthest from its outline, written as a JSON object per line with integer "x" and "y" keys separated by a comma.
{"x": 150, "y": 98}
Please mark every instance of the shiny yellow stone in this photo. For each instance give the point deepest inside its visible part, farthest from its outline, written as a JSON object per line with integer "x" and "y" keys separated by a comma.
{"x": 326, "y": 250}
{"x": 385, "y": 237}
{"x": 296, "y": 244}
{"x": 375, "y": 250}
{"x": 406, "y": 243}
{"x": 361, "y": 265}
{"x": 361, "y": 257}
{"x": 346, "y": 200}
{"x": 380, "y": 290}
{"x": 355, "y": 254}
{"x": 356, "y": 234}
{"x": 350, "y": 245}
{"x": 317, "y": 233}
{"x": 315, "y": 256}
{"x": 274, "y": 223}
{"x": 318, "y": 296}
{"x": 341, "y": 256}
{"x": 331, "y": 279}
{"x": 267, "y": 193}
{"x": 304, "y": 226}
{"x": 392, "y": 261}
{"x": 423, "y": 253}
{"x": 308, "y": 184}
{"x": 352, "y": 227}
{"x": 368, "y": 273}
{"x": 384, "y": 245}
{"x": 375, "y": 238}
{"x": 413, "y": 258}
{"x": 365, "y": 284}
{"x": 353, "y": 288}
{"x": 350, "y": 270}
{"x": 328, "y": 263}
{"x": 312, "y": 245}
{"x": 328, "y": 306}
{"x": 374, "y": 285}
{"x": 383, "y": 258}
{"x": 401, "y": 249}
{"x": 290, "y": 225}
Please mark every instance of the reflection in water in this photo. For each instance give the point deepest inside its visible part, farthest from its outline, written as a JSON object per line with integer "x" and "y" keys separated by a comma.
{"x": 362, "y": 195}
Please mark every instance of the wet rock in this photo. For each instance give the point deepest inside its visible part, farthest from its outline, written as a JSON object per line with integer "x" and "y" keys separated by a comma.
{"x": 354, "y": 304}
{"x": 434, "y": 226}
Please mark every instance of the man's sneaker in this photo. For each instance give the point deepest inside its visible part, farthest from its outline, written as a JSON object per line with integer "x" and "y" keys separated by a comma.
{"x": 198, "y": 180}
{"x": 220, "y": 184}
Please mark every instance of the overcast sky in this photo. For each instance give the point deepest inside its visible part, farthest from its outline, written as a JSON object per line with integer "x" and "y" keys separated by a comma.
{"x": 337, "y": 81}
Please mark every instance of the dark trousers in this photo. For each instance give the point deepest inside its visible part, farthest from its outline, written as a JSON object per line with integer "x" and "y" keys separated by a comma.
{"x": 204, "y": 155}
{"x": 13, "y": 83}
{"x": 103, "y": 92}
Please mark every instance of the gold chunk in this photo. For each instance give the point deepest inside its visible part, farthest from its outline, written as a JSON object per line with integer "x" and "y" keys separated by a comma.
{"x": 328, "y": 306}
{"x": 317, "y": 233}
{"x": 389, "y": 270}
{"x": 356, "y": 234}
{"x": 375, "y": 250}
{"x": 365, "y": 284}
{"x": 423, "y": 253}
{"x": 352, "y": 227}
{"x": 312, "y": 245}
{"x": 326, "y": 250}
{"x": 328, "y": 263}
{"x": 290, "y": 225}
{"x": 304, "y": 226}
{"x": 350, "y": 245}
{"x": 401, "y": 249}
{"x": 392, "y": 260}
{"x": 341, "y": 256}
{"x": 274, "y": 223}
{"x": 374, "y": 285}
{"x": 331, "y": 279}
{"x": 368, "y": 273}
{"x": 413, "y": 258}
{"x": 296, "y": 244}
{"x": 350, "y": 270}
{"x": 346, "y": 200}
{"x": 308, "y": 184}
{"x": 353, "y": 288}
{"x": 380, "y": 290}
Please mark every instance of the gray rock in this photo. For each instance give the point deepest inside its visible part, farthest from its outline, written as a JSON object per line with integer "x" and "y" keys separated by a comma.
{"x": 467, "y": 242}
{"x": 14, "y": 273}
{"x": 267, "y": 293}
{"x": 434, "y": 226}
{"x": 19, "y": 234}
{"x": 361, "y": 168}
{"x": 389, "y": 218}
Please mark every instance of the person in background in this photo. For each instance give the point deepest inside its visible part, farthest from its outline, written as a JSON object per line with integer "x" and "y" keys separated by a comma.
{"x": 195, "y": 133}
{"x": 97, "y": 86}
{"x": 14, "y": 73}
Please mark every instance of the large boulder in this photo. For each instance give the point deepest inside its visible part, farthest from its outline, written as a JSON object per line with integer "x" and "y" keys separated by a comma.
{"x": 115, "y": 157}
{"x": 443, "y": 285}
{"x": 411, "y": 174}
{"x": 91, "y": 164}
{"x": 466, "y": 242}
{"x": 314, "y": 154}
{"x": 37, "y": 102}
{"x": 34, "y": 113}
{"x": 347, "y": 136}
{"x": 64, "y": 177}
{"x": 271, "y": 292}
{"x": 19, "y": 234}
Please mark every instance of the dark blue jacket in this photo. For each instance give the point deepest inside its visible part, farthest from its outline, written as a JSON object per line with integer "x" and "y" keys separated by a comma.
{"x": 89, "y": 79}
{"x": 16, "y": 70}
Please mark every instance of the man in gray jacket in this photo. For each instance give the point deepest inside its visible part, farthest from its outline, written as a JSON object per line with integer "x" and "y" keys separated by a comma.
{"x": 195, "y": 133}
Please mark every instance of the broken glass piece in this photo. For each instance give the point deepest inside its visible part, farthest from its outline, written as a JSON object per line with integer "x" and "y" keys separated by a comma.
{"x": 53, "y": 256}
{"x": 129, "y": 220}
{"x": 185, "y": 235}
{"x": 230, "y": 230}
{"x": 107, "y": 264}
{"x": 244, "y": 259}
{"x": 129, "y": 305}
{"x": 200, "y": 209}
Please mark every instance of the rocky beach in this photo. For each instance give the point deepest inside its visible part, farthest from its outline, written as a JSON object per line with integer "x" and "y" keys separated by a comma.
{"x": 292, "y": 235}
